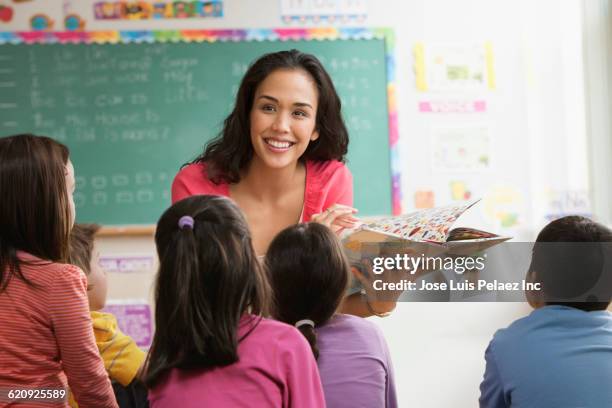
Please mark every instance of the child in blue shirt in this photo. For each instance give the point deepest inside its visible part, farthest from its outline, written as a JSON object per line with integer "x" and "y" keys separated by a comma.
{"x": 561, "y": 354}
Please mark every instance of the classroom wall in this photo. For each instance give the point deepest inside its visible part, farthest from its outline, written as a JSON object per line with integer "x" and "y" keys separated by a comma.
{"x": 538, "y": 160}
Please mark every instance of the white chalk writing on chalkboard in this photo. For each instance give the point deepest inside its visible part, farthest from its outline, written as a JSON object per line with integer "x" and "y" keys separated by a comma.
{"x": 99, "y": 182}
{"x": 144, "y": 196}
{"x": 100, "y": 198}
{"x": 124, "y": 197}
{"x": 120, "y": 180}
{"x": 144, "y": 178}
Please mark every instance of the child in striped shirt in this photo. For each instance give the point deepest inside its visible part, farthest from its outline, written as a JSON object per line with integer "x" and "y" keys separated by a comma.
{"x": 46, "y": 341}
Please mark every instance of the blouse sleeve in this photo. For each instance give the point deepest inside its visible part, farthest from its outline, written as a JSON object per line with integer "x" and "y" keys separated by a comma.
{"x": 180, "y": 188}
{"x": 340, "y": 188}
{"x": 81, "y": 362}
{"x": 327, "y": 183}
{"x": 303, "y": 384}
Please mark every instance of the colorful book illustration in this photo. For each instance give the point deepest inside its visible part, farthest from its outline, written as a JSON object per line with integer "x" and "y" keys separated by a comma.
{"x": 427, "y": 232}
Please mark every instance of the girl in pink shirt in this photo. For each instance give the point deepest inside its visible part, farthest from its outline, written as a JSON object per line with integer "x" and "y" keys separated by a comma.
{"x": 211, "y": 347}
{"x": 281, "y": 151}
{"x": 46, "y": 337}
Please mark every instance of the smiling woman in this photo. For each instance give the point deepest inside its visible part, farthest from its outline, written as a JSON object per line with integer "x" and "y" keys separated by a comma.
{"x": 281, "y": 151}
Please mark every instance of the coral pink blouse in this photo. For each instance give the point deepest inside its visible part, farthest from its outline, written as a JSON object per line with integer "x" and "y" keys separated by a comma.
{"x": 327, "y": 183}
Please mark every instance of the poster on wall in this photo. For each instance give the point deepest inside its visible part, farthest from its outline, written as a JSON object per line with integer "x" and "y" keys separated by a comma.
{"x": 461, "y": 148}
{"x": 459, "y": 190}
{"x": 6, "y": 13}
{"x": 329, "y": 10}
{"x": 148, "y": 10}
{"x": 452, "y": 106}
{"x": 454, "y": 68}
{"x": 504, "y": 206}
{"x": 560, "y": 203}
{"x": 134, "y": 318}
{"x": 74, "y": 19}
{"x": 424, "y": 199}
{"x": 127, "y": 263}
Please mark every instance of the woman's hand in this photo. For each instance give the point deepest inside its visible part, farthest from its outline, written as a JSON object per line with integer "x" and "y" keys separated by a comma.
{"x": 338, "y": 217}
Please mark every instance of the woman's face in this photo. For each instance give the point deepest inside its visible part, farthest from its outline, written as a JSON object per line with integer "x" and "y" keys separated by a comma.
{"x": 70, "y": 186}
{"x": 283, "y": 117}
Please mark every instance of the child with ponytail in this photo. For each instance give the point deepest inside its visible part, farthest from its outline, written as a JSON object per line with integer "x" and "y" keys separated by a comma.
{"x": 212, "y": 347}
{"x": 309, "y": 274}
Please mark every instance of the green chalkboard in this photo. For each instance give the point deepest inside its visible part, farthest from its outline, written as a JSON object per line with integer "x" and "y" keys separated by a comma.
{"x": 132, "y": 114}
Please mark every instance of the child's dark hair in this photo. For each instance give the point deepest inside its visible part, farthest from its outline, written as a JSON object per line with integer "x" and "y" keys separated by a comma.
{"x": 208, "y": 277}
{"x": 35, "y": 214}
{"x": 82, "y": 240}
{"x": 232, "y": 150}
{"x": 309, "y": 274}
{"x": 569, "y": 261}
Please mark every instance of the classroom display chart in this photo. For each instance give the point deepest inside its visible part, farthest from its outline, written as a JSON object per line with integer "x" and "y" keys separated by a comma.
{"x": 134, "y": 319}
{"x": 135, "y": 106}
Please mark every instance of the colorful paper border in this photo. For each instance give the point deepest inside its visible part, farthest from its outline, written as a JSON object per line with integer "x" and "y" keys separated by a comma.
{"x": 281, "y": 34}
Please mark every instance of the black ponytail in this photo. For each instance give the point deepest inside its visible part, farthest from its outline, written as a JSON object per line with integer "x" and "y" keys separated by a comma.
{"x": 311, "y": 335}
{"x": 208, "y": 278}
{"x": 309, "y": 274}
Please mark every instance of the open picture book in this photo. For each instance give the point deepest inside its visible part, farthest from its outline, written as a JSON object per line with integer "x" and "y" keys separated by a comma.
{"x": 427, "y": 232}
{"x": 422, "y": 233}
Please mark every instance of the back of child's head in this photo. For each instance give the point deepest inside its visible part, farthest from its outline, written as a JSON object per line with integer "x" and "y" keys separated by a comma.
{"x": 82, "y": 248}
{"x": 569, "y": 260}
{"x": 35, "y": 211}
{"x": 208, "y": 277}
{"x": 82, "y": 240}
{"x": 309, "y": 274}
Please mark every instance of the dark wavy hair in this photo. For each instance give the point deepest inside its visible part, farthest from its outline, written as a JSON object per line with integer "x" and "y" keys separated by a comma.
{"x": 35, "y": 214}
{"x": 231, "y": 150}
{"x": 208, "y": 277}
{"x": 569, "y": 260}
{"x": 309, "y": 274}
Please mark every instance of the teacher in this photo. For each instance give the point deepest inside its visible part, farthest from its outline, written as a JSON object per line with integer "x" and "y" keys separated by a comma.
{"x": 281, "y": 153}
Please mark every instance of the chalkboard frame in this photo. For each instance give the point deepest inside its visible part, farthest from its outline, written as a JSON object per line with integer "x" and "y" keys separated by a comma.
{"x": 282, "y": 34}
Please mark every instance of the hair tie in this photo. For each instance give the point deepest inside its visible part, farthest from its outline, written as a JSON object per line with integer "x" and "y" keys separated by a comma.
{"x": 304, "y": 322}
{"x": 186, "y": 221}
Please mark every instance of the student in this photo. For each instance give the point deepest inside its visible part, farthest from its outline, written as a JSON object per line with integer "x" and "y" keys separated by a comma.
{"x": 122, "y": 357}
{"x": 281, "y": 151}
{"x": 561, "y": 354}
{"x": 46, "y": 340}
{"x": 211, "y": 346}
{"x": 309, "y": 275}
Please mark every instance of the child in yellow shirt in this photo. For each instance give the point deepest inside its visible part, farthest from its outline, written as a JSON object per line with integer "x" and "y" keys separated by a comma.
{"x": 122, "y": 357}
